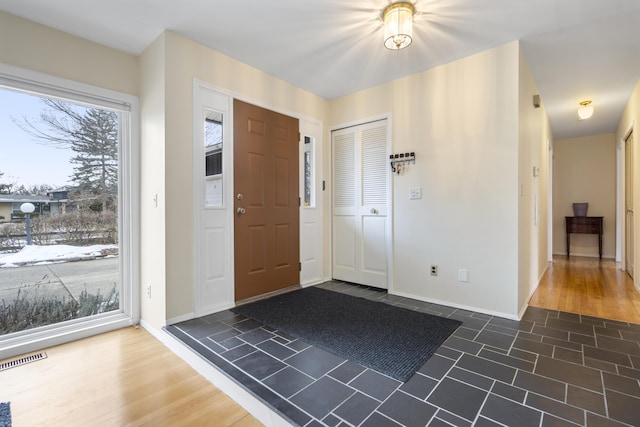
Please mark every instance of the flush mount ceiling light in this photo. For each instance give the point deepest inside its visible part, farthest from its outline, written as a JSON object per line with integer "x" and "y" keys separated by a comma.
{"x": 398, "y": 23}
{"x": 585, "y": 111}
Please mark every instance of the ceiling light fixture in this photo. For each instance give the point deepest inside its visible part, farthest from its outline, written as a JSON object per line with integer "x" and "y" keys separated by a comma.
{"x": 585, "y": 111}
{"x": 398, "y": 25}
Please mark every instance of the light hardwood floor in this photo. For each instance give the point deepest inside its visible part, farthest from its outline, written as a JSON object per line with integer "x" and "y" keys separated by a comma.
{"x": 121, "y": 378}
{"x": 588, "y": 286}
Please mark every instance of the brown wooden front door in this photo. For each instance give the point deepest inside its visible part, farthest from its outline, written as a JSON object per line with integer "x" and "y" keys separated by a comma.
{"x": 267, "y": 254}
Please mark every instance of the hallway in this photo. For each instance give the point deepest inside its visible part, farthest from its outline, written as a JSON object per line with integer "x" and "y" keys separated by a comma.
{"x": 588, "y": 286}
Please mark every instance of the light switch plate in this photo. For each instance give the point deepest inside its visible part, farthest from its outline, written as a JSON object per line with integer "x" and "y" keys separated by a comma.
{"x": 415, "y": 193}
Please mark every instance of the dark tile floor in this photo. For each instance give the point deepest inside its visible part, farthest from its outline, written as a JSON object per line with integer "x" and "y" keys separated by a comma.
{"x": 549, "y": 369}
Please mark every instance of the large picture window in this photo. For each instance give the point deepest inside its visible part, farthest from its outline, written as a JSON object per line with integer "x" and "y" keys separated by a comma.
{"x": 67, "y": 240}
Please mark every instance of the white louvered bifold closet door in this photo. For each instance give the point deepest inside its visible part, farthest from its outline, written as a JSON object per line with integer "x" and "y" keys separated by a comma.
{"x": 361, "y": 204}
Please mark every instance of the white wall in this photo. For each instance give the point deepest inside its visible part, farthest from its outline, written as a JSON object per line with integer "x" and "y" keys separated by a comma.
{"x": 585, "y": 171}
{"x": 461, "y": 120}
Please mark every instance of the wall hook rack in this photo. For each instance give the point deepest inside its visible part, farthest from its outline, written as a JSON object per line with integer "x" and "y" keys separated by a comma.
{"x": 401, "y": 159}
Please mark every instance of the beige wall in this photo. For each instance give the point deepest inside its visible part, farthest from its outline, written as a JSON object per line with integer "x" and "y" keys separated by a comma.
{"x": 584, "y": 170}
{"x": 534, "y": 137}
{"x": 464, "y": 120}
{"x": 629, "y": 122}
{"x": 185, "y": 60}
{"x": 461, "y": 120}
{"x": 33, "y": 46}
{"x": 152, "y": 184}
{"x": 162, "y": 77}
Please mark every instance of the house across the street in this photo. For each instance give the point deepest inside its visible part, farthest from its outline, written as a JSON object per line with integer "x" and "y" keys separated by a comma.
{"x": 54, "y": 202}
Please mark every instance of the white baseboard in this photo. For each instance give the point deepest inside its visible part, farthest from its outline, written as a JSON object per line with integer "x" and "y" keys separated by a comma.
{"x": 604, "y": 256}
{"x": 179, "y": 319}
{"x": 533, "y": 291}
{"x": 450, "y": 304}
{"x": 248, "y": 401}
{"x": 192, "y": 315}
{"x": 312, "y": 283}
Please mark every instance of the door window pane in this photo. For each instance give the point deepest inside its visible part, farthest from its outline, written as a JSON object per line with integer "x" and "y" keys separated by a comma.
{"x": 309, "y": 196}
{"x": 213, "y": 158}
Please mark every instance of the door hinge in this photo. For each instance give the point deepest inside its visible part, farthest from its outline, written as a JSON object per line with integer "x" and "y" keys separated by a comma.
{"x": 299, "y": 202}
{"x": 299, "y": 266}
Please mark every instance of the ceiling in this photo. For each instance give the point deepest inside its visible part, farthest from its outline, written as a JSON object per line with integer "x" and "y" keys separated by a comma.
{"x": 576, "y": 49}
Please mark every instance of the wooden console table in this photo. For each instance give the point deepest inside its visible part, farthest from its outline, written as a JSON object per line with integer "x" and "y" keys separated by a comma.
{"x": 584, "y": 225}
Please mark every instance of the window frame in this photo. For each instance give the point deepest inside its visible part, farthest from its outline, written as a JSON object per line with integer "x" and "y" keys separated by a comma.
{"x": 127, "y": 107}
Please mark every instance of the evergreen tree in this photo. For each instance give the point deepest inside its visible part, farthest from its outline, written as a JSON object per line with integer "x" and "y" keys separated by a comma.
{"x": 92, "y": 134}
{"x": 96, "y": 156}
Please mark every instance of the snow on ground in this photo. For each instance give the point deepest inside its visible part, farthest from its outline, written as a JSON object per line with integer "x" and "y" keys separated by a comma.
{"x": 33, "y": 254}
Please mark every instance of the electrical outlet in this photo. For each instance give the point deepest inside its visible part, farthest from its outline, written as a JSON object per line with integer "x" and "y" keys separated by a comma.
{"x": 434, "y": 270}
{"x": 149, "y": 291}
{"x": 463, "y": 275}
{"x": 415, "y": 193}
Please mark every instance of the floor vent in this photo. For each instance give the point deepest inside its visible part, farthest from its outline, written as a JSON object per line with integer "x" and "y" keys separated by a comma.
{"x": 22, "y": 361}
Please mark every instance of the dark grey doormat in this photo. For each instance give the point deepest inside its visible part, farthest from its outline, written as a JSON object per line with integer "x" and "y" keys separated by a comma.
{"x": 391, "y": 340}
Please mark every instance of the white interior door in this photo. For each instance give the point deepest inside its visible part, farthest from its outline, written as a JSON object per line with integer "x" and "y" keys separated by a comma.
{"x": 628, "y": 177}
{"x": 361, "y": 204}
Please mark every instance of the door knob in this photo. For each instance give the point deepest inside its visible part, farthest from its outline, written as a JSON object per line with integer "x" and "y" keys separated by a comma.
{"x": 240, "y": 196}
{"x": 374, "y": 211}
{"x": 240, "y": 211}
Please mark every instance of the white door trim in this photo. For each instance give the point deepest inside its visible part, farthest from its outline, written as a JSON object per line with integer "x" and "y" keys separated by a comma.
{"x": 206, "y": 96}
{"x": 311, "y": 217}
{"x": 620, "y": 198}
{"x": 550, "y": 201}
